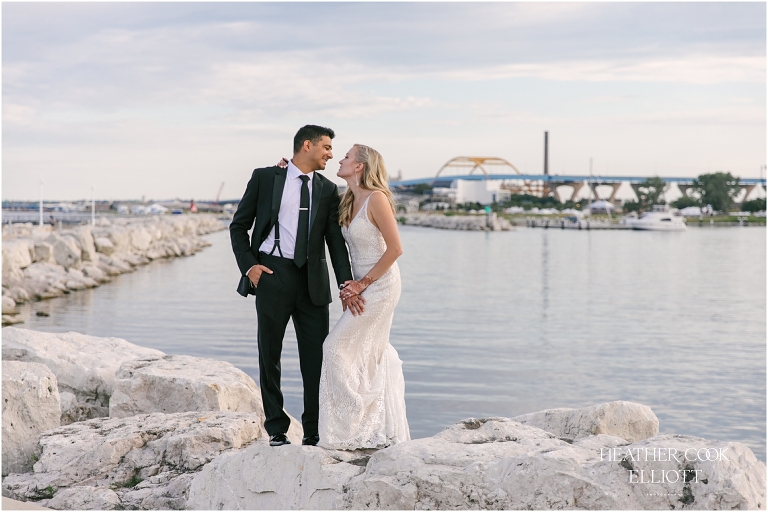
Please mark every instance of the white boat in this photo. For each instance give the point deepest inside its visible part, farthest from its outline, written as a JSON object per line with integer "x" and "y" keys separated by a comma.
{"x": 657, "y": 220}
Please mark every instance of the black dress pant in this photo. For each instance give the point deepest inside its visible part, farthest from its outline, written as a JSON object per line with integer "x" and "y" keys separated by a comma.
{"x": 280, "y": 296}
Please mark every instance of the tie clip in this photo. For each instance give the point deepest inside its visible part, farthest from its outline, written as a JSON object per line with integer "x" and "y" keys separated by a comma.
{"x": 303, "y": 208}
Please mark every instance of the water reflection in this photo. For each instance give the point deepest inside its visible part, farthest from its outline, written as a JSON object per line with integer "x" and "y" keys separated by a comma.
{"x": 500, "y": 324}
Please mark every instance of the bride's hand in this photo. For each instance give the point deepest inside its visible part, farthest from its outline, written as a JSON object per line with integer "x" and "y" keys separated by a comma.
{"x": 355, "y": 304}
{"x": 283, "y": 163}
{"x": 352, "y": 288}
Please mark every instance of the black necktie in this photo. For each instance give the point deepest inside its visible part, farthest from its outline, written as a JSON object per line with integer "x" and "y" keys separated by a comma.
{"x": 302, "y": 234}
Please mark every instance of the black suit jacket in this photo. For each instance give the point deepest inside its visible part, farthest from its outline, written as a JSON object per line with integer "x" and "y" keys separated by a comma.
{"x": 259, "y": 208}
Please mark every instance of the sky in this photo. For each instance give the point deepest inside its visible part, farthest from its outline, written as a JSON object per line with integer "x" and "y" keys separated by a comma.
{"x": 169, "y": 100}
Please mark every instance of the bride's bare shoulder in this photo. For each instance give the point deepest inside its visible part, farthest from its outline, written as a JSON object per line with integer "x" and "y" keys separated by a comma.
{"x": 378, "y": 207}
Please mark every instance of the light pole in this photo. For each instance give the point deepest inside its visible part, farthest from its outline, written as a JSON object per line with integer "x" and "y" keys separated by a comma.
{"x": 41, "y": 201}
{"x": 93, "y": 205}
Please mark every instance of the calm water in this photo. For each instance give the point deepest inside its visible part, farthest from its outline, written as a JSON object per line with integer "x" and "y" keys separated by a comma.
{"x": 500, "y": 324}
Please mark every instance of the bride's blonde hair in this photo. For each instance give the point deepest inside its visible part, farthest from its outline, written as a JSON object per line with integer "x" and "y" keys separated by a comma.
{"x": 373, "y": 177}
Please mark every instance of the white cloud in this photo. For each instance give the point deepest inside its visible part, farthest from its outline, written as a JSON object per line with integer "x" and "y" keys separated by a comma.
{"x": 18, "y": 114}
{"x": 695, "y": 69}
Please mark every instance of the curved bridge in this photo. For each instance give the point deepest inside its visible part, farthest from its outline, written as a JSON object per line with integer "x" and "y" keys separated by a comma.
{"x": 476, "y": 162}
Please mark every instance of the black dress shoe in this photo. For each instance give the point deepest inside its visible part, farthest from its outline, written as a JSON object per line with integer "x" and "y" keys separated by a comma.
{"x": 311, "y": 440}
{"x": 278, "y": 440}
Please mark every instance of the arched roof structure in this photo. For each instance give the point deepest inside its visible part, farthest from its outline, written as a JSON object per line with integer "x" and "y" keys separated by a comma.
{"x": 476, "y": 162}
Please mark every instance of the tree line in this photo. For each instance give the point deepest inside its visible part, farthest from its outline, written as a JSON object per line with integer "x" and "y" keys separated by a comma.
{"x": 717, "y": 190}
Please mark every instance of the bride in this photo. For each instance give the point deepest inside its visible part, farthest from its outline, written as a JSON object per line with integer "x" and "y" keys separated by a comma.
{"x": 362, "y": 391}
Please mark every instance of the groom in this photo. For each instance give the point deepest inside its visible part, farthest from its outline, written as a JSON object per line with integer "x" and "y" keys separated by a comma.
{"x": 292, "y": 212}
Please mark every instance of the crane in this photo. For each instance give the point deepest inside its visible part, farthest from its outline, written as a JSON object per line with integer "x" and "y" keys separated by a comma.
{"x": 218, "y": 195}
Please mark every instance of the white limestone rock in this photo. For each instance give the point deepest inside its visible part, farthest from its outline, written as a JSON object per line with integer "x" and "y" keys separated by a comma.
{"x": 147, "y": 460}
{"x": 94, "y": 272}
{"x": 186, "y": 246}
{"x": 73, "y": 410}
{"x": 18, "y": 230}
{"x": 66, "y": 251}
{"x": 84, "y": 497}
{"x": 85, "y": 241}
{"x": 262, "y": 477}
{"x": 42, "y": 251}
{"x": 627, "y": 420}
{"x": 182, "y": 383}
{"x": 104, "y": 245}
{"x": 115, "y": 261}
{"x": 30, "y": 406}
{"x": 156, "y": 252}
{"x": 498, "y": 463}
{"x": 9, "y": 305}
{"x": 140, "y": 238}
{"x": 17, "y": 255}
{"x": 120, "y": 238}
{"x": 84, "y": 365}
{"x": 45, "y": 280}
{"x": 80, "y": 279}
{"x": 12, "y": 319}
{"x": 18, "y": 294}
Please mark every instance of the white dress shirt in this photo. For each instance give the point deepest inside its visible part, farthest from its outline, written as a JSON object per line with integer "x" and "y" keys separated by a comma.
{"x": 289, "y": 213}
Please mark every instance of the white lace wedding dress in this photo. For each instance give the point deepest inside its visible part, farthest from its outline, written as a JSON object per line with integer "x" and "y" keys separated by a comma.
{"x": 362, "y": 390}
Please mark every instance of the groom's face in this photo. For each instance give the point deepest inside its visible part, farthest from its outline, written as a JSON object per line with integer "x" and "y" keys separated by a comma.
{"x": 320, "y": 152}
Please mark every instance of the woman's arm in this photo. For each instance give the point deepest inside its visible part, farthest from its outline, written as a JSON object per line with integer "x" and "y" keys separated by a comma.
{"x": 380, "y": 213}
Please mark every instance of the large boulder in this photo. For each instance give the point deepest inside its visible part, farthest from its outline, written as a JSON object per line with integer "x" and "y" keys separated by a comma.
{"x": 118, "y": 236}
{"x": 84, "y": 498}
{"x": 262, "y": 477}
{"x": 95, "y": 273}
{"x": 76, "y": 280}
{"x": 182, "y": 383}
{"x": 42, "y": 251}
{"x": 627, "y": 420}
{"x": 498, "y": 463}
{"x": 66, "y": 251}
{"x": 30, "y": 406}
{"x": 17, "y": 255}
{"x": 84, "y": 239}
{"x": 104, "y": 245}
{"x": 44, "y": 280}
{"x": 140, "y": 238}
{"x": 18, "y": 294}
{"x": 147, "y": 460}
{"x": 9, "y": 306}
{"x": 491, "y": 463}
{"x": 84, "y": 365}
{"x": 17, "y": 230}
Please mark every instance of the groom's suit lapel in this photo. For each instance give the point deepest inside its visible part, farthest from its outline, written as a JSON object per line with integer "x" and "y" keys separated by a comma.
{"x": 277, "y": 194}
{"x": 317, "y": 188}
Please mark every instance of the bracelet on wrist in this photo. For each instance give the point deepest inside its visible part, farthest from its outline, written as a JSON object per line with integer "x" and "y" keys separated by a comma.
{"x": 366, "y": 281}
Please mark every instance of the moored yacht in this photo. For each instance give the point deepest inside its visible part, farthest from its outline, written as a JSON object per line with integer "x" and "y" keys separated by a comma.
{"x": 660, "y": 219}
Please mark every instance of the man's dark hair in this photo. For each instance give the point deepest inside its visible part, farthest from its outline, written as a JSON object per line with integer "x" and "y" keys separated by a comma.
{"x": 312, "y": 133}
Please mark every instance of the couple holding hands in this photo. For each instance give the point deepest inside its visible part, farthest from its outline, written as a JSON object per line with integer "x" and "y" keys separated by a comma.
{"x": 354, "y": 391}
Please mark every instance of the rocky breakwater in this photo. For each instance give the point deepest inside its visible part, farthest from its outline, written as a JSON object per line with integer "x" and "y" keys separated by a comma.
{"x": 156, "y": 421}
{"x": 40, "y": 262}
{"x": 456, "y": 222}
{"x": 156, "y": 455}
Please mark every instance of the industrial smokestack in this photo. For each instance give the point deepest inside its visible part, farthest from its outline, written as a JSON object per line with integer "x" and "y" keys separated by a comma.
{"x": 546, "y": 153}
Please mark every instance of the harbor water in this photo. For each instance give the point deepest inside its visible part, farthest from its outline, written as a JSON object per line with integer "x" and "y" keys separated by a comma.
{"x": 504, "y": 323}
